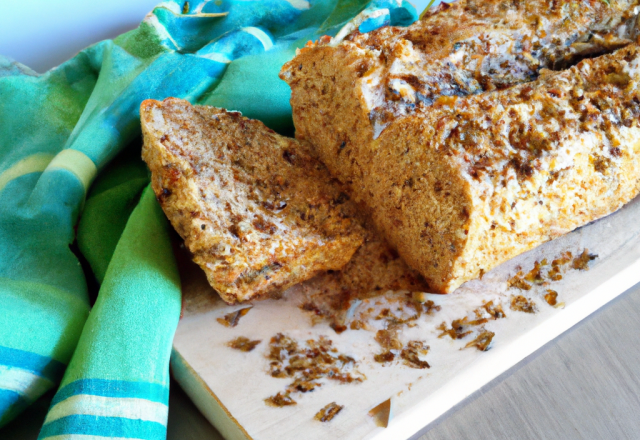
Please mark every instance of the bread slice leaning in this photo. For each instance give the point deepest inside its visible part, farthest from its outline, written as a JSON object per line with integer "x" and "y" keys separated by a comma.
{"x": 257, "y": 212}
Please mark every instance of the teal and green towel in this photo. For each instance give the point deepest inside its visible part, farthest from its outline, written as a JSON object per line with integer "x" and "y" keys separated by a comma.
{"x": 62, "y": 129}
{"x": 117, "y": 383}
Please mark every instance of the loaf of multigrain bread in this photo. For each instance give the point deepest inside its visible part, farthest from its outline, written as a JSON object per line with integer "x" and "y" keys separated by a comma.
{"x": 257, "y": 212}
{"x": 462, "y": 160}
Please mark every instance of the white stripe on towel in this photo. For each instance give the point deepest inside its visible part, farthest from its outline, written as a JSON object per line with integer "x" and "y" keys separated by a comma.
{"x": 125, "y": 407}
{"x": 24, "y": 382}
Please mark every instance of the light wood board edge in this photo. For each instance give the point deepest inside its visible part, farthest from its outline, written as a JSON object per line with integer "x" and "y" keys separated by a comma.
{"x": 415, "y": 420}
{"x": 206, "y": 400}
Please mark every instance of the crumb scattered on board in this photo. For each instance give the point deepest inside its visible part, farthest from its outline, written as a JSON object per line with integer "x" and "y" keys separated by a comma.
{"x": 307, "y": 364}
{"x": 381, "y": 413}
{"x": 328, "y": 412}
{"x": 280, "y": 400}
{"x": 581, "y": 262}
{"x": 388, "y": 340}
{"x": 551, "y": 297}
{"x": 543, "y": 274}
{"x": 483, "y": 341}
{"x": 465, "y": 326}
{"x": 521, "y": 303}
{"x": 540, "y": 275}
{"x": 384, "y": 357}
{"x": 412, "y": 352}
{"x": 243, "y": 344}
{"x": 232, "y": 319}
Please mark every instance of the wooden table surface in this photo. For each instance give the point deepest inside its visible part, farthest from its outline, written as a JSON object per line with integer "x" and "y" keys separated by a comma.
{"x": 583, "y": 385}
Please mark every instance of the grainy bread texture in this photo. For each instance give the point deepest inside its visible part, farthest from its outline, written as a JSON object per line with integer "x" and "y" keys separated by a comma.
{"x": 344, "y": 94}
{"x": 375, "y": 268}
{"x": 468, "y": 185}
{"x": 462, "y": 179}
{"x": 257, "y": 212}
{"x": 476, "y": 46}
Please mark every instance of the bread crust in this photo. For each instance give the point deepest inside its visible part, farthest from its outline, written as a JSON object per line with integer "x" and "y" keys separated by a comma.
{"x": 345, "y": 94}
{"x": 255, "y": 209}
{"x": 497, "y": 174}
{"x": 455, "y": 181}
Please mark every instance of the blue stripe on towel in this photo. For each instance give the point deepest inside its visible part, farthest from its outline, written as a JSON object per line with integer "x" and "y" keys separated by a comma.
{"x": 104, "y": 427}
{"x": 8, "y": 398}
{"x": 113, "y": 388}
{"x": 43, "y": 366}
{"x": 11, "y": 403}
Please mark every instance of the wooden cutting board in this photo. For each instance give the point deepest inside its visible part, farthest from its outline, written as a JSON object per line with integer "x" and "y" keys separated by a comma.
{"x": 230, "y": 386}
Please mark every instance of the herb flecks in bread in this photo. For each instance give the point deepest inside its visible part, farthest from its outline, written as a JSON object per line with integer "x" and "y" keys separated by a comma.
{"x": 469, "y": 181}
{"x": 255, "y": 209}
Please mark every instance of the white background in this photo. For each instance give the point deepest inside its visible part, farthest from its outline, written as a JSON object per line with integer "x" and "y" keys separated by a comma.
{"x": 44, "y": 33}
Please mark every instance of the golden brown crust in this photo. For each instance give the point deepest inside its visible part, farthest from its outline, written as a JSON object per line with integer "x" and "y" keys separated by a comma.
{"x": 463, "y": 181}
{"x": 344, "y": 95}
{"x": 257, "y": 212}
{"x": 532, "y": 163}
{"x": 535, "y": 162}
{"x": 474, "y": 46}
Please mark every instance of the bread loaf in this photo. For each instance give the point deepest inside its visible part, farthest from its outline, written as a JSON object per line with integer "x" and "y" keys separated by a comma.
{"x": 473, "y": 183}
{"x": 458, "y": 166}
